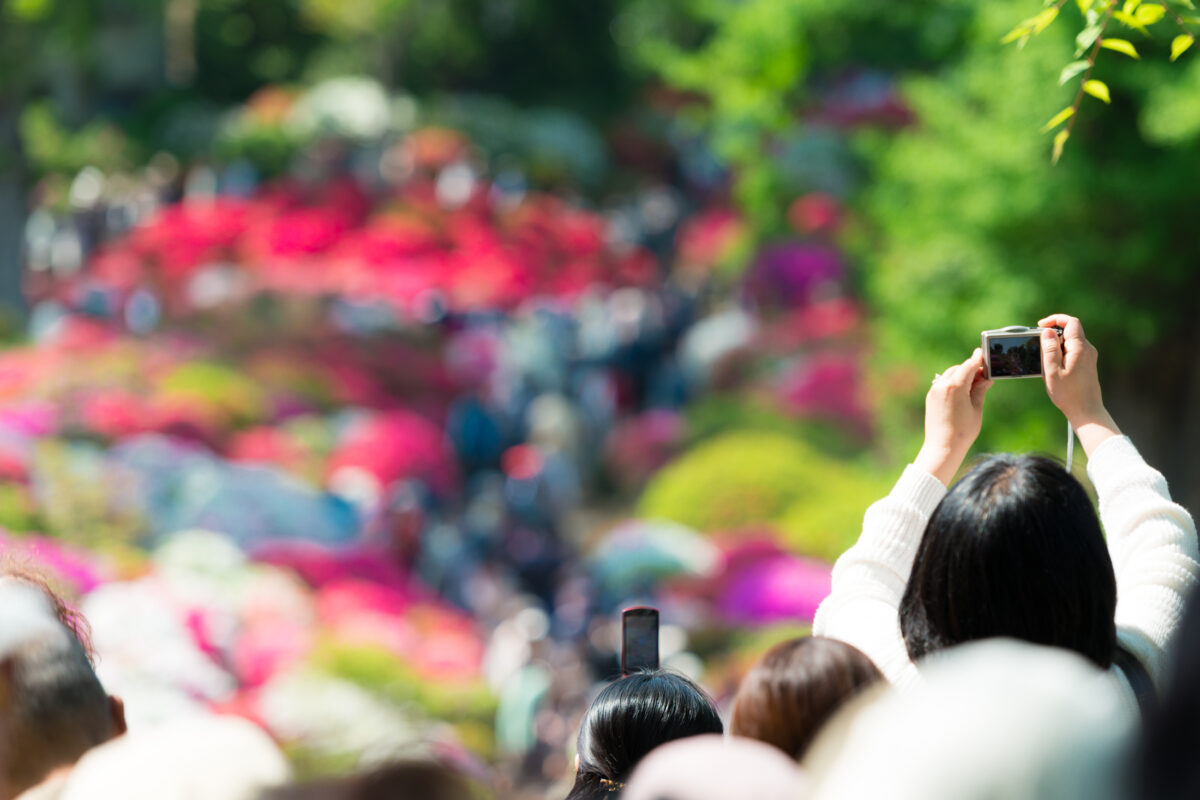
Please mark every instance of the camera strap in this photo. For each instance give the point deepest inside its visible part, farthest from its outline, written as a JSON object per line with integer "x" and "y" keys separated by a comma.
{"x": 1070, "y": 446}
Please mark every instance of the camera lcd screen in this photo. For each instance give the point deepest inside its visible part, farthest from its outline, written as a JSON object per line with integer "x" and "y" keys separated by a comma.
{"x": 1015, "y": 356}
{"x": 639, "y": 639}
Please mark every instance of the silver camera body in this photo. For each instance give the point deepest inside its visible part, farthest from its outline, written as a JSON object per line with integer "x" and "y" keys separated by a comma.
{"x": 1013, "y": 352}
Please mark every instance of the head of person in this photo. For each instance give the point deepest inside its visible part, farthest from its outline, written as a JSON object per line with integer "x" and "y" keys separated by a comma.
{"x": 631, "y": 717}
{"x": 1014, "y": 549}
{"x": 998, "y": 719}
{"x": 714, "y": 767}
{"x": 795, "y": 687}
{"x": 18, "y": 570}
{"x": 52, "y": 706}
{"x": 194, "y": 755}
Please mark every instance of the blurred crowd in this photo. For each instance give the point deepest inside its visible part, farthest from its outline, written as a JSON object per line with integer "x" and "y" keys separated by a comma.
{"x": 349, "y": 452}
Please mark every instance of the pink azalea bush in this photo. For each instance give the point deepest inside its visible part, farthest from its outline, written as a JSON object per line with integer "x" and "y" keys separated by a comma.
{"x": 828, "y": 386}
{"x": 394, "y": 446}
{"x": 762, "y": 584}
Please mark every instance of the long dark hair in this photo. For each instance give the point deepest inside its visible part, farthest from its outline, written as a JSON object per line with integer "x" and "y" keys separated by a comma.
{"x": 631, "y": 717}
{"x": 1014, "y": 549}
{"x": 795, "y": 687}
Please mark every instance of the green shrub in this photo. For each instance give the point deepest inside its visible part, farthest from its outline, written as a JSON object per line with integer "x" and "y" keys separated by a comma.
{"x": 746, "y": 479}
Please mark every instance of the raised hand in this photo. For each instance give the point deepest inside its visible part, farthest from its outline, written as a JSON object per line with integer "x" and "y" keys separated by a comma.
{"x": 1072, "y": 380}
{"x": 953, "y": 417}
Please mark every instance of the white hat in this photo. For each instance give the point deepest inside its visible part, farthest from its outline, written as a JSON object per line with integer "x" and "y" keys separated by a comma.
{"x": 714, "y": 767}
{"x": 995, "y": 719}
{"x": 201, "y": 757}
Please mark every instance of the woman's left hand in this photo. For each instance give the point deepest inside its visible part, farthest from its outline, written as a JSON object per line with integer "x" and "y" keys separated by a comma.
{"x": 953, "y": 417}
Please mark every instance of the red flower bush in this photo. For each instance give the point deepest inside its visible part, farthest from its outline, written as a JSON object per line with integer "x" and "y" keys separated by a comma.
{"x": 395, "y": 446}
{"x": 404, "y": 246}
{"x": 181, "y": 237}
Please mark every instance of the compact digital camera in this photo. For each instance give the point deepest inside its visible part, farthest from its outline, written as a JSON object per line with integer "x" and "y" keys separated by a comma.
{"x": 1013, "y": 352}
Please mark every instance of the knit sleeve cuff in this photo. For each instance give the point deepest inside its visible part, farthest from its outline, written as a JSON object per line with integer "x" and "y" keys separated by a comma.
{"x": 897, "y": 523}
{"x": 923, "y": 490}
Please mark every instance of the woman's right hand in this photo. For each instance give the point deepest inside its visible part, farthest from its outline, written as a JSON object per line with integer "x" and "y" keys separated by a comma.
{"x": 1072, "y": 381}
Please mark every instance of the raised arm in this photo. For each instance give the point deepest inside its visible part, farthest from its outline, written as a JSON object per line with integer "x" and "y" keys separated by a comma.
{"x": 1152, "y": 540}
{"x": 869, "y": 578}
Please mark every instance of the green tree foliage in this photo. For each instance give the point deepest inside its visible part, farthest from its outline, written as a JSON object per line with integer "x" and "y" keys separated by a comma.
{"x": 962, "y": 224}
{"x": 749, "y": 65}
{"x": 1102, "y": 24}
{"x": 974, "y": 231}
{"x": 531, "y": 51}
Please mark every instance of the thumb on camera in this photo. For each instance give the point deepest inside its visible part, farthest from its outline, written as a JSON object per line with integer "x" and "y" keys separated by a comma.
{"x": 1052, "y": 354}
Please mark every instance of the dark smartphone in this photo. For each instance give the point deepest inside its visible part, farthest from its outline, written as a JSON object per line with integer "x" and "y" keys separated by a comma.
{"x": 639, "y": 639}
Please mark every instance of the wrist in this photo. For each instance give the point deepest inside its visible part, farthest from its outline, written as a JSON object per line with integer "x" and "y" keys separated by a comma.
{"x": 939, "y": 460}
{"x": 1094, "y": 414}
{"x": 1093, "y": 430}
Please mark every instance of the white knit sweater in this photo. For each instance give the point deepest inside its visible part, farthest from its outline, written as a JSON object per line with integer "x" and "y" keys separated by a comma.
{"x": 1152, "y": 542}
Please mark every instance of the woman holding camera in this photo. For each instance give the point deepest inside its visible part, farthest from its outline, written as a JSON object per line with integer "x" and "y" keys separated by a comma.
{"x": 1014, "y": 548}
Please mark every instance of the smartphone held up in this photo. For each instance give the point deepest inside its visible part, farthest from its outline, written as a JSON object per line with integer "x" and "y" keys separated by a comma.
{"x": 639, "y": 639}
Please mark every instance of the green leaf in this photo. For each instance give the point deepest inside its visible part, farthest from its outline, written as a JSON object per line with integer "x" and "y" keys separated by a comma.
{"x": 1086, "y": 38}
{"x": 1031, "y": 26}
{"x": 1060, "y": 139}
{"x": 1130, "y": 6}
{"x": 1186, "y": 3}
{"x": 1097, "y": 89}
{"x": 1058, "y": 119}
{"x": 1018, "y": 32}
{"x": 1129, "y": 21}
{"x": 1180, "y": 44}
{"x": 1071, "y": 70}
{"x": 1150, "y": 14}
{"x": 1121, "y": 46}
{"x": 1043, "y": 20}
{"x": 1084, "y": 5}
{"x": 1192, "y": 20}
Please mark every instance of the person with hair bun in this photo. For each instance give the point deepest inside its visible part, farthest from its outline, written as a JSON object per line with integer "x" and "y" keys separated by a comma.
{"x": 631, "y": 717}
{"x": 1014, "y": 548}
{"x": 795, "y": 687}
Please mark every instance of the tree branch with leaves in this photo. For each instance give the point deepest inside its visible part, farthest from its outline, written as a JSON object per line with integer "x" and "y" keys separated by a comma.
{"x": 1097, "y": 17}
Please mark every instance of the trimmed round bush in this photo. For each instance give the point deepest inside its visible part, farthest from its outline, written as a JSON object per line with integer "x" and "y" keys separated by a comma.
{"x": 750, "y": 479}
